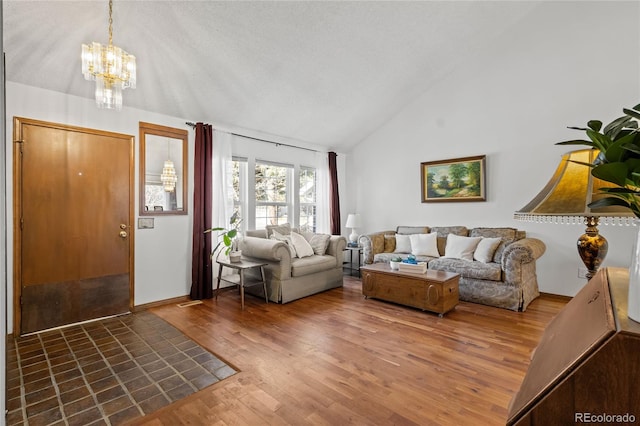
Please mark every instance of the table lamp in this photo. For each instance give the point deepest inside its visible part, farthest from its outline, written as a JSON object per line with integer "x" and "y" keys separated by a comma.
{"x": 565, "y": 200}
{"x": 353, "y": 222}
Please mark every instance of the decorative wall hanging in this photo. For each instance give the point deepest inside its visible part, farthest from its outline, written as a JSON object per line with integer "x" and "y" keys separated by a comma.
{"x": 457, "y": 179}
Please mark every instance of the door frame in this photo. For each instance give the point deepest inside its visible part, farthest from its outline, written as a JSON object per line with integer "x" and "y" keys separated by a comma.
{"x": 18, "y": 122}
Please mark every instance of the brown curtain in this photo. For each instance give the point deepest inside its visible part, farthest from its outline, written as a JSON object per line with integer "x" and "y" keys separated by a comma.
{"x": 201, "y": 276}
{"x": 334, "y": 198}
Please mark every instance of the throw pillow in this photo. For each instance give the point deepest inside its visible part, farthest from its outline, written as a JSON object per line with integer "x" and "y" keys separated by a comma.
{"x": 507, "y": 235}
{"x": 377, "y": 243}
{"x": 424, "y": 244}
{"x": 275, "y": 235}
{"x": 403, "y": 244}
{"x": 486, "y": 248}
{"x": 284, "y": 229}
{"x": 319, "y": 242}
{"x": 461, "y": 247}
{"x": 389, "y": 243}
{"x": 303, "y": 248}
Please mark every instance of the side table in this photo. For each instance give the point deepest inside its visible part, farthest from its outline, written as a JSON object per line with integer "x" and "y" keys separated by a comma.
{"x": 350, "y": 268}
{"x": 240, "y": 279}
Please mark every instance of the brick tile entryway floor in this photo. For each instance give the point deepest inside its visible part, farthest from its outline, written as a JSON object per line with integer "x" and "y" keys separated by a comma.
{"x": 104, "y": 372}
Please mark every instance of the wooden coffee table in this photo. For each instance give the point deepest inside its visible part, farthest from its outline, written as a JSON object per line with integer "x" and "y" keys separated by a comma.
{"x": 434, "y": 291}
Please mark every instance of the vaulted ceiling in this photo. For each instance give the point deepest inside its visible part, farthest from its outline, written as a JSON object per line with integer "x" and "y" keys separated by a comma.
{"x": 319, "y": 72}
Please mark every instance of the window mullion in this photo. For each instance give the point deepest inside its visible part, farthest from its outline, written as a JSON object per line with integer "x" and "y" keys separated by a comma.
{"x": 251, "y": 200}
{"x": 294, "y": 198}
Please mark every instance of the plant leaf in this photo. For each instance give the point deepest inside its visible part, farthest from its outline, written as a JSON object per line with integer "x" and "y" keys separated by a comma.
{"x": 614, "y": 128}
{"x": 234, "y": 218}
{"x": 601, "y": 141}
{"x": 583, "y": 163}
{"x": 632, "y": 148}
{"x": 611, "y": 172}
{"x": 609, "y": 201}
{"x": 577, "y": 142}
{"x": 631, "y": 113}
{"x": 616, "y": 151}
{"x": 620, "y": 121}
{"x": 618, "y": 190}
{"x": 595, "y": 125}
{"x": 215, "y": 249}
{"x": 213, "y": 229}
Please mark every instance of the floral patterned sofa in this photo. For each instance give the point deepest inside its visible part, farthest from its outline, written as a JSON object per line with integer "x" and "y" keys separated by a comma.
{"x": 505, "y": 275}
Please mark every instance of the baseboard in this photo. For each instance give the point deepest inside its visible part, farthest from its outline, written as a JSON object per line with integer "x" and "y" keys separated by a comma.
{"x": 157, "y": 303}
{"x": 556, "y": 297}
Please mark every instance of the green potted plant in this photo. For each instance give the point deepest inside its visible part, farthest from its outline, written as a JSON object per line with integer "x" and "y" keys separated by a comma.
{"x": 619, "y": 163}
{"x": 228, "y": 237}
{"x": 619, "y": 158}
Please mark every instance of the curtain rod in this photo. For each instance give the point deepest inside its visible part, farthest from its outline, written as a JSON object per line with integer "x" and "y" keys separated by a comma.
{"x": 188, "y": 123}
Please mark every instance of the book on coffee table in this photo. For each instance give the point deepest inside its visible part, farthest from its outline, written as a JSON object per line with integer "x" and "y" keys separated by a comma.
{"x": 420, "y": 267}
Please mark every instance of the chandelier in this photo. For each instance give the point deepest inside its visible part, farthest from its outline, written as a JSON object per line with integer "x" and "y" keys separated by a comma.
{"x": 168, "y": 176}
{"x": 110, "y": 67}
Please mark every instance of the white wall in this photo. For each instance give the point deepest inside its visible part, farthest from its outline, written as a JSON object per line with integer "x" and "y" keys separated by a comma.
{"x": 564, "y": 64}
{"x": 162, "y": 254}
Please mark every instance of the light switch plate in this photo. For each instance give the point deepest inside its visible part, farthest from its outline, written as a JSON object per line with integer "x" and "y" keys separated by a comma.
{"x": 145, "y": 223}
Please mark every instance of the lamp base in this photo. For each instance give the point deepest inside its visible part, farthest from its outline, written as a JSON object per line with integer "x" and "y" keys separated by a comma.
{"x": 353, "y": 237}
{"x": 592, "y": 247}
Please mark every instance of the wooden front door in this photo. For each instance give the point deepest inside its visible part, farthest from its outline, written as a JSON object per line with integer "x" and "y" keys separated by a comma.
{"x": 73, "y": 207}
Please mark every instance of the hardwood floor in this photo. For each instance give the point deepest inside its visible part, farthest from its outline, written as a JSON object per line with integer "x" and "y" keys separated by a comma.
{"x": 336, "y": 358}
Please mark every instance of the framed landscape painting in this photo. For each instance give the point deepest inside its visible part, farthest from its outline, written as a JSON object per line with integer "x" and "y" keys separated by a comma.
{"x": 458, "y": 179}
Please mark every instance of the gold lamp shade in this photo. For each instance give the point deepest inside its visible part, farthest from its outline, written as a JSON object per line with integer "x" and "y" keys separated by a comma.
{"x": 565, "y": 200}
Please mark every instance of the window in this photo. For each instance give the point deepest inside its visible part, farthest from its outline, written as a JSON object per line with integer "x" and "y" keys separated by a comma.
{"x": 239, "y": 184}
{"x": 307, "y": 199}
{"x": 273, "y": 194}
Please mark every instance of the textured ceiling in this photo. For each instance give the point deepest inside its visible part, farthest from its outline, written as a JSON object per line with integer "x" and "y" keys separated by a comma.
{"x": 323, "y": 73}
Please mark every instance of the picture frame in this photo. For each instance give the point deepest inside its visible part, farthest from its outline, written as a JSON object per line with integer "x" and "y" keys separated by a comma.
{"x": 454, "y": 180}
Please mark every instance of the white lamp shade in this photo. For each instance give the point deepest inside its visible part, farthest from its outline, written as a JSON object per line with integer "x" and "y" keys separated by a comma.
{"x": 354, "y": 221}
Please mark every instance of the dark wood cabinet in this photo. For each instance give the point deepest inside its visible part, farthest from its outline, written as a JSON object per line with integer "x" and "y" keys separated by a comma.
{"x": 587, "y": 363}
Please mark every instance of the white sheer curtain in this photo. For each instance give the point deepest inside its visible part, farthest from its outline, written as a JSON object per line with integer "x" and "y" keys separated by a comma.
{"x": 222, "y": 175}
{"x": 322, "y": 193}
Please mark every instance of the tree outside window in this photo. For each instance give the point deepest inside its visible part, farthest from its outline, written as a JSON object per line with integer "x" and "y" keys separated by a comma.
{"x": 307, "y": 199}
{"x": 272, "y": 189}
{"x": 276, "y": 198}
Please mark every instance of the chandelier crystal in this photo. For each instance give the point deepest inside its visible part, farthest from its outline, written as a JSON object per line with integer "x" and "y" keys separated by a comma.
{"x": 168, "y": 176}
{"x": 110, "y": 67}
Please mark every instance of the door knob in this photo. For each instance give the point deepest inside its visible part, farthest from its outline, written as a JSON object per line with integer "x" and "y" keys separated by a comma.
{"x": 123, "y": 234}
{"x": 123, "y": 226}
